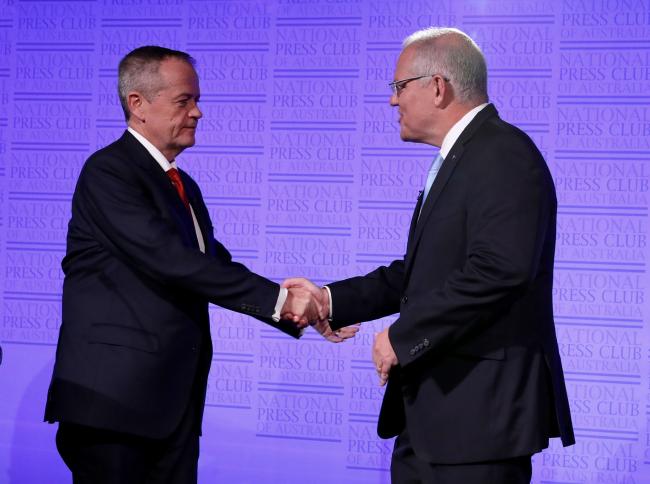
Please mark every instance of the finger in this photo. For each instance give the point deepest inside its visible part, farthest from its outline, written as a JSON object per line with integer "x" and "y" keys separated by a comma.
{"x": 345, "y": 333}
{"x": 334, "y": 338}
{"x": 302, "y": 283}
{"x": 348, "y": 331}
{"x": 383, "y": 370}
{"x": 293, "y": 282}
{"x": 383, "y": 378}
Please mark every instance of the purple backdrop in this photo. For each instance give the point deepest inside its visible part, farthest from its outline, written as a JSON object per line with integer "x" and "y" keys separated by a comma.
{"x": 301, "y": 164}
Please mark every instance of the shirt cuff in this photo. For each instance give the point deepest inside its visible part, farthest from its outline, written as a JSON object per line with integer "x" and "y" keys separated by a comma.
{"x": 282, "y": 298}
{"x": 329, "y": 294}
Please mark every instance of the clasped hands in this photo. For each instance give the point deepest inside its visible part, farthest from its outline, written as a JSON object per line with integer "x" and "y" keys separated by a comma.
{"x": 309, "y": 304}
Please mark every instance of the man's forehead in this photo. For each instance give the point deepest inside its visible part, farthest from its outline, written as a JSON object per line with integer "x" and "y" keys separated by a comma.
{"x": 177, "y": 73}
{"x": 405, "y": 60}
{"x": 172, "y": 65}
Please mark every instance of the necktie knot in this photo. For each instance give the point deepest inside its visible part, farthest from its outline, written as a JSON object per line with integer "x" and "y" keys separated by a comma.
{"x": 175, "y": 178}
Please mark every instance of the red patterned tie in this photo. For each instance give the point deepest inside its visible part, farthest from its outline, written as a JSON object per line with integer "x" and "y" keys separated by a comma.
{"x": 175, "y": 178}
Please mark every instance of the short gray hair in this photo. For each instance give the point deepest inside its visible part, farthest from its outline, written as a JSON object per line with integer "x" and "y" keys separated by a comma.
{"x": 454, "y": 55}
{"x": 138, "y": 71}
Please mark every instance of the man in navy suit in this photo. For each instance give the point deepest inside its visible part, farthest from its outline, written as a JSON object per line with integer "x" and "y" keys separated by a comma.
{"x": 134, "y": 349}
{"x": 475, "y": 383}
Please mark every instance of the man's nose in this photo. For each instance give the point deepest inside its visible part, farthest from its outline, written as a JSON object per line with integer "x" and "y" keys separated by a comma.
{"x": 196, "y": 112}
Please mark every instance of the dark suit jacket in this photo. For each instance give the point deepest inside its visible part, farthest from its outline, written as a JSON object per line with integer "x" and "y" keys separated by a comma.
{"x": 479, "y": 373}
{"x": 134, "y": 346}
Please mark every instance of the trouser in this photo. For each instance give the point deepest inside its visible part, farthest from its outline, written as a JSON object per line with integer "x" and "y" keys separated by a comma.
{"x": 407, "y": 468}
{"x": 97, "y": 456}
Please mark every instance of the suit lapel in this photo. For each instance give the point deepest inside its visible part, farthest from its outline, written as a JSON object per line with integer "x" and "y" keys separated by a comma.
{"x": 202, "y": 217}
{"x": 414, "y": 220}
{"x": 448, "y": 166}
{"x": 442, "y": 178}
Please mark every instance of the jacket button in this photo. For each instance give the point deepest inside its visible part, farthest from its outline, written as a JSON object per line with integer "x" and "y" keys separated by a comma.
{"x": 404, "y": 299}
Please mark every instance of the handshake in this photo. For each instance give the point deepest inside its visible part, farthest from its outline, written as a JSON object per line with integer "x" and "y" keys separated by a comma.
{"x": 308, "y": 304}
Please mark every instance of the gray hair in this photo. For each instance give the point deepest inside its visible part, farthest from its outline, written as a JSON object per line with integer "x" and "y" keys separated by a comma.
{"x": 138, "y": 71}
{"x": 454, "y": 55}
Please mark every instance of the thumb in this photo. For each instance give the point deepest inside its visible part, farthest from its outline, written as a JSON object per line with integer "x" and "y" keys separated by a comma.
{"x": 292, "y": 282}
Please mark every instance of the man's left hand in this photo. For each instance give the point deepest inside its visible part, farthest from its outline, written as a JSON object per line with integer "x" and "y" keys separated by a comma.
{"x": 323, "y": 327}
{"x": 383, "y": 356}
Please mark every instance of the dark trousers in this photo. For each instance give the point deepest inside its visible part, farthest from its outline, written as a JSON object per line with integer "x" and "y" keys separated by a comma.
{"x": 407, "y": 468}
{"x": 105, "y": 457}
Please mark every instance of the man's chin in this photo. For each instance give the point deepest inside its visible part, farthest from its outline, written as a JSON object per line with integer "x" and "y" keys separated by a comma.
{"x": 188, "y": 141}
{"x": 407, "y": 137}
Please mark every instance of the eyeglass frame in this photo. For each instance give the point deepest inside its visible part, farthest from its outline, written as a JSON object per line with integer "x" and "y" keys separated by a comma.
{"x": 398, "y": 86}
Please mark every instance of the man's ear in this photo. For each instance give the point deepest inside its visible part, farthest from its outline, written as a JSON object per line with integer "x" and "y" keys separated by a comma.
{"x": 136, "y": 101}
{"x": 442, "y": 90}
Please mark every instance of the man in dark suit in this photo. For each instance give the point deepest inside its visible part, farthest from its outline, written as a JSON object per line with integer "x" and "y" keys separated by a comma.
{"x": 134, "y": 349}
{"x": 475, "y": 383}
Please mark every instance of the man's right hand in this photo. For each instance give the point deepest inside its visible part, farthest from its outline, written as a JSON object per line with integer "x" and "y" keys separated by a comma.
{"x": 319, "y": 293}
{"x": 301, "y": 307}
{"x": 321, "y": 324}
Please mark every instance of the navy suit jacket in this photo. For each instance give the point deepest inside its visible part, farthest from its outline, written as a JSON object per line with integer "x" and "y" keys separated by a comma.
{"x": 134, "y": 346}
{"x": 479, "y": 375}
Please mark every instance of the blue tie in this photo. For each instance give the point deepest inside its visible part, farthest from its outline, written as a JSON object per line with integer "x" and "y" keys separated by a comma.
{"x": 433, "y": 171}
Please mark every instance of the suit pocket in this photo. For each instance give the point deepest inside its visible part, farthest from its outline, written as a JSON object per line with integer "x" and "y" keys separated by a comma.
{"x": 480, "y": 351}
{"x": 118, "y": 335}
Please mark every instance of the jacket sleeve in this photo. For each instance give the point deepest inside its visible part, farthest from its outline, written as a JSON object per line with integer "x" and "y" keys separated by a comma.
{"x": 368, "y": 297}
{"x": 116, "y": 205}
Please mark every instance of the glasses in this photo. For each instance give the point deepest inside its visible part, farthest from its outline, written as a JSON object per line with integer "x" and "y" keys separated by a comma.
{"x": 398, "y": 86}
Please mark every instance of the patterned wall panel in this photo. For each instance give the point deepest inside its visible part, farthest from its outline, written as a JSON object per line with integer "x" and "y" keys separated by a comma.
{"x": 299, "y": 159}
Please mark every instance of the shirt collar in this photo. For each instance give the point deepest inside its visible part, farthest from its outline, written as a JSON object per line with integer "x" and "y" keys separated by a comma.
{"x": 164, "y": 163}
{"x": 457, "y": 129}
